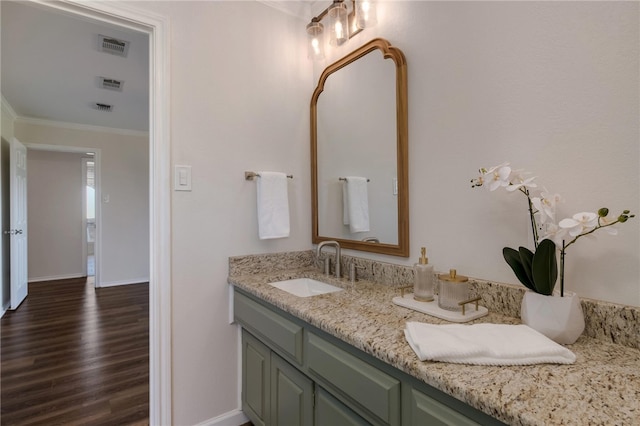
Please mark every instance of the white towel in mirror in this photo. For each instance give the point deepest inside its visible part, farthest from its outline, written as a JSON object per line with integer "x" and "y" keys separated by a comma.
{"x": 273, "y": 205}
{"x": 345, "y": 204}
{"x": 357, "y": 203}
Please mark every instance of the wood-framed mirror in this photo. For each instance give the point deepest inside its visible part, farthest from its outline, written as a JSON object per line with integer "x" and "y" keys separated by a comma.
{"x": 359, "y": 128}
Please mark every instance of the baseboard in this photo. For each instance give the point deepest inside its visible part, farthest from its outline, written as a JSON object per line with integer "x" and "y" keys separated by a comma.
{"x": 2, "y": 312}
{"x": 56, "y": 277}
{"x": 232, "y": 418}
{"x": 124, "y": 282}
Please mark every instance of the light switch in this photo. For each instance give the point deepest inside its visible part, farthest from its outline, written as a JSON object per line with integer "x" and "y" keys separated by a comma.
{"x": 182, "y": 178}
{"x": 395, "y": 186}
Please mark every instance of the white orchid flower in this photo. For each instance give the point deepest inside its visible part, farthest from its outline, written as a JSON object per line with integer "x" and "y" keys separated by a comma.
{"x": 546, "y": 206}
{"x": 522, "y": 183}
{"x": 554, "y": 233}
{"x": 494, "y": 168}
{"x": 579, "y": 223}
{"x": 606, "y": 222}
{"x": 498, "y": 176}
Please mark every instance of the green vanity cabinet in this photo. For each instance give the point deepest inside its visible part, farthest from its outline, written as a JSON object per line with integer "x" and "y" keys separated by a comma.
{"x": 283, "y": 334}
{"x": 372, "y": 392}
{"x": 273, "y": 391}
{"x": 422, "y": 409}
{"x": 256, "y": 376}
{"x": 331, "y": 412}
{"x": 291, "y": 394}
{"x": 296, "y": 375}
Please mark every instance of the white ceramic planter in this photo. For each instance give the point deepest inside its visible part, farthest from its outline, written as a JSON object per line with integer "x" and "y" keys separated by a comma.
{"x": 559, "y": 318}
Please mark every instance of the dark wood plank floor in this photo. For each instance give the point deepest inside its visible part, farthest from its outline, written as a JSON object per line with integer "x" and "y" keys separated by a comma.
{"x": 72, "y": 354}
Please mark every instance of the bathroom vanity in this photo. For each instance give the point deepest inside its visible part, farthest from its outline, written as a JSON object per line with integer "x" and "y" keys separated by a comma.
{"x": 296, "y": 374}
{"x": 341, "y": 358}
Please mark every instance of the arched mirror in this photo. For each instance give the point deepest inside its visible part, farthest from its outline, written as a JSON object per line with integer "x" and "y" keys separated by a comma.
{"x": 359, "y": 133}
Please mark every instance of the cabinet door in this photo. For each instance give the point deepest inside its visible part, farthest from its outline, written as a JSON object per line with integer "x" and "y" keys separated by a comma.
{"x": 291, "y": 395}
{"x": 256, "y": 370}
{"x": 425, "y": 410}
{"x": 331, "y": 412}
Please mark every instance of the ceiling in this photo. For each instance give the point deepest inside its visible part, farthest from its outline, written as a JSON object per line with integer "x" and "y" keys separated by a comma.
{"x": 52, "y": 63}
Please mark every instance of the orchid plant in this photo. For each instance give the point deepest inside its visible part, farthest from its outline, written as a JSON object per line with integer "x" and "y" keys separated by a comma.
{"x": 538, "y": 270}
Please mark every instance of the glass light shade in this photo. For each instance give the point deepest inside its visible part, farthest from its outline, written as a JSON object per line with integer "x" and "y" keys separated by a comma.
{"x": 338, "y": 24}
{"x": 366, "y": 13}
{"x": 315, "y": 41}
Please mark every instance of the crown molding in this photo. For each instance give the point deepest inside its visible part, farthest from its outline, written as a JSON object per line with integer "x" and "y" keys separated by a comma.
{"x": 300, "y": 9}
{"x": 76, "y": 126}
{"x": 6, "y": 106}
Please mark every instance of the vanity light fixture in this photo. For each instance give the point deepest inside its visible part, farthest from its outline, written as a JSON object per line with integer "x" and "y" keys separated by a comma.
{"x": 338, "y": 23}
{"x": 343, "y": 24}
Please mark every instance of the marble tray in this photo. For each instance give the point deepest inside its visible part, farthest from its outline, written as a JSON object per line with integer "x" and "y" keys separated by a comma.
{"x": 432, "y": 308}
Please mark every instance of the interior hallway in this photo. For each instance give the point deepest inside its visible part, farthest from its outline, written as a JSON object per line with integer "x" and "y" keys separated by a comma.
{"x": 73, "y": 354}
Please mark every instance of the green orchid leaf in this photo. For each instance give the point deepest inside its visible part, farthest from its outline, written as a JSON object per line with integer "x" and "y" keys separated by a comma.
{"x": 526, "y": 256}
{"x": 513, "y": 260}
{"x": 545, "y": 267}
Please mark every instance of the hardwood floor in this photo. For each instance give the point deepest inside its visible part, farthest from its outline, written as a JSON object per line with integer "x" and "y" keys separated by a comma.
{"x": 72, "y": 354}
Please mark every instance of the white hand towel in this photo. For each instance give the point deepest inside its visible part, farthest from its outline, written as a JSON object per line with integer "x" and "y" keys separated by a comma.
{"x": 273, "y": 205}
{"x": 358, "y": 204}
{"x": 345, "y": 204}
{"x": 484, "y": 344}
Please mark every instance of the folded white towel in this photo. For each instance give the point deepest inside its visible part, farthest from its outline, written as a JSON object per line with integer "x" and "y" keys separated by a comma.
{"x": 273, "y": 205}
{"x": 484, "y": 344}
{"x": 357, "y": 204}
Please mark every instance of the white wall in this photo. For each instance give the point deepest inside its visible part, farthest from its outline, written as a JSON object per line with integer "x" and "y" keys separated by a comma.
{"x": 240, "y": 99}
{"x": 125, "y": 179}
{"x": 551, "y": 87}
{"x": 54, "y": 199}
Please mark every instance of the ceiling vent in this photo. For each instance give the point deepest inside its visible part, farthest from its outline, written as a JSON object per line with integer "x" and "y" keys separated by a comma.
{"x": 114, "y": 46}
{"x": 111, "y": 84}
{"x": 103, "y": 107}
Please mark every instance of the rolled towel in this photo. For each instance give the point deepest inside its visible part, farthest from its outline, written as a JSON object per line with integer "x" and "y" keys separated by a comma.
{"x": 484, "y": 344}
{"x": 273, "y": 205}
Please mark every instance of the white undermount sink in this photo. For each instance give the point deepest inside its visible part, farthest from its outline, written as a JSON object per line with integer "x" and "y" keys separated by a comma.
{"x": 305, "y": 287}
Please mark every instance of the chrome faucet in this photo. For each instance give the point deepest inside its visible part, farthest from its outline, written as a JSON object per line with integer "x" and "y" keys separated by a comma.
{"x": 336, "y": 245}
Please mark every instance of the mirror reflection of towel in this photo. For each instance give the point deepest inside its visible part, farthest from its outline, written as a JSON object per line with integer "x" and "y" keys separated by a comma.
{"x": 355, "y": 204}
{"x": 273, "y": 205}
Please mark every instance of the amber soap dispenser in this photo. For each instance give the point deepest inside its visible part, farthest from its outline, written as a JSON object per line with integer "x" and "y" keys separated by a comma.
{"x": 423, "y": 285}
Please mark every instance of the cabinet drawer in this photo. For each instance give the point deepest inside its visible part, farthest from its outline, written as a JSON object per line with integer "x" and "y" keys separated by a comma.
{"x": 285, "y": 335}
{"x": 377, "y": 392}
{"x": 425, "y": 410}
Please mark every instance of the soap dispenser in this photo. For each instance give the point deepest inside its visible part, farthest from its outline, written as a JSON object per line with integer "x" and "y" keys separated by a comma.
{"x": 423, "y": 278}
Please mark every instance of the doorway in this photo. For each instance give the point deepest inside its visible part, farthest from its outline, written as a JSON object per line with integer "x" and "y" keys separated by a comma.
{"x": 57, "y": 210}
{"x": 89, "y": 214}
{"x": 156, "y": 27}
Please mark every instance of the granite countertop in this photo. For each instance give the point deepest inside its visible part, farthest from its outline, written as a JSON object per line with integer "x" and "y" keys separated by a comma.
{"x": 601, "y": 388}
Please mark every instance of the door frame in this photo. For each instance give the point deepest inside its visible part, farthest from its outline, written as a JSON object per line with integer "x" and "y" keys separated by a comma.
{"x": 85, "y": 219}
{"x": 98, "y": 182}
{"x": 157, "y": 28}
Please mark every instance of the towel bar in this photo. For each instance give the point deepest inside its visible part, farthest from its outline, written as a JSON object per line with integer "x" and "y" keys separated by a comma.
{"x": 253, "y": 175}
{"x": 341, "y": 178}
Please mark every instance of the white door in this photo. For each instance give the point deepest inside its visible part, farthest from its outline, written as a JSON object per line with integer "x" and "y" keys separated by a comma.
{"x": 18, "y": 219}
